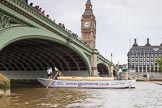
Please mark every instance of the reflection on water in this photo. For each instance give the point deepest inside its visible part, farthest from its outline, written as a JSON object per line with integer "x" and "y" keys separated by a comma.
{"x": 146, "y": 95}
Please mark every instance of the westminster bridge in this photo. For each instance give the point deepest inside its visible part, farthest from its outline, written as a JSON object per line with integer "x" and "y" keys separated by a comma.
{"x": 30, "y": 42}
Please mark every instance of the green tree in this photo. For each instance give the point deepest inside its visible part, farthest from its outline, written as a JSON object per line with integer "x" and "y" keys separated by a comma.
{"x": 159, "y": 61}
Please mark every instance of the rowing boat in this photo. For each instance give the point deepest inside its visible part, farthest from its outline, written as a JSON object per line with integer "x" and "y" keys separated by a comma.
{"x": 87, "y": 82}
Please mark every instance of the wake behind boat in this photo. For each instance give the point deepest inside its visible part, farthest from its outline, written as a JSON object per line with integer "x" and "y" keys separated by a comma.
{"x": 87, "y": 82}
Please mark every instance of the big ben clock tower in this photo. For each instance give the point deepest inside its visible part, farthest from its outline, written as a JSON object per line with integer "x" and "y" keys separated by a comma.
{"x": 88, "y": 26}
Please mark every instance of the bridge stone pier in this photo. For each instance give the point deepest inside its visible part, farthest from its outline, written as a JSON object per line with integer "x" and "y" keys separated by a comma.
{"x": 30, "y": 42}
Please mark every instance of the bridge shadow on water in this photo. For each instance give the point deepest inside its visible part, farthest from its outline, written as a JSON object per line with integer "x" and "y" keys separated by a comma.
{"x": 25, "y": 83}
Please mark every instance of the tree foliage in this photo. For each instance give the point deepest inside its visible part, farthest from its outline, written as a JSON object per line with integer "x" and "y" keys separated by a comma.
{"x": 4, "y": 82}
{"x": 159, "y": 61}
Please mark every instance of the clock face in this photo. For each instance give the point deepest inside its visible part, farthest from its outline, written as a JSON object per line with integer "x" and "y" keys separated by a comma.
{"x": 87, "y": 24}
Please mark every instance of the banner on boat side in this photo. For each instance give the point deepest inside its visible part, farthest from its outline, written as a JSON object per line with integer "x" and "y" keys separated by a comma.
{"x": 58, "y": 83}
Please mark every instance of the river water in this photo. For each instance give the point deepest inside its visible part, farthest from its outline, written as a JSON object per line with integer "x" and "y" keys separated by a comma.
{"x": 145, "y": 95}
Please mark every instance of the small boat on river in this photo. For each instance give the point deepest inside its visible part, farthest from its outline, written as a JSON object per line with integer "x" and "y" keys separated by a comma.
{"x": 87, "y": 82}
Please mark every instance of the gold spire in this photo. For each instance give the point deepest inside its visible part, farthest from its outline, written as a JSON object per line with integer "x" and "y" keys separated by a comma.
{"x": 89, "y": 5}
{"x": 88, "y": 10}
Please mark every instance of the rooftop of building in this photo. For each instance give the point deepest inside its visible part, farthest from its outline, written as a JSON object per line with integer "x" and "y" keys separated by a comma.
{"x": 146, "y": 48}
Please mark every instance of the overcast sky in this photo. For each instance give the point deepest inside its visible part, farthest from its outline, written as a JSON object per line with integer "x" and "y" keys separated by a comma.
{"x": 118, "y": 22}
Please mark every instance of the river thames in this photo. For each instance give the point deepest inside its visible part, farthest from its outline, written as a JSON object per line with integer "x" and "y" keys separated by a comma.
{"x": 145, "y": 95}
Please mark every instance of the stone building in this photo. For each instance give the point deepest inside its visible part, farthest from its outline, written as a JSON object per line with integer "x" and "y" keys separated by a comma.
{"x": 144, "y": 58}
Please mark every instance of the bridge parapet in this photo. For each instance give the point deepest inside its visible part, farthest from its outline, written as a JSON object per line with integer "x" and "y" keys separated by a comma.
{"x": 103, "y": 59}
{"x": 30, "y": 13}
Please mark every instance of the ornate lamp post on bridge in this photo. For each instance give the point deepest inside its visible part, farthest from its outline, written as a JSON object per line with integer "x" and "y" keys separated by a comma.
{"x": 111, "y": 67}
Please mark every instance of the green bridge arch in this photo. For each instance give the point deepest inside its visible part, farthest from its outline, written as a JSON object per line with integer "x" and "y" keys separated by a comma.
{"x": 24, "y": 30}
{"x": 12, "y": 35}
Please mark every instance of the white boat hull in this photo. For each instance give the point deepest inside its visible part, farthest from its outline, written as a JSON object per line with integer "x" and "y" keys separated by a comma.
{"x": 87, "y": 84}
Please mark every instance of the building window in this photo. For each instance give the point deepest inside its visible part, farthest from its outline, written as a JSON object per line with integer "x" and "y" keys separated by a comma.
{"x": 148, "y": 59}
{"x": 152, "y": 55}
{"x": 140, "y": 63}
{"x": 148, "y": 55}
{"x": 155, "y": 55}
{"x": 136, "y": 60}
{"x": 156, "y": 64}
{"x": 136, "y": 55}
{"x": 140, "y": 59}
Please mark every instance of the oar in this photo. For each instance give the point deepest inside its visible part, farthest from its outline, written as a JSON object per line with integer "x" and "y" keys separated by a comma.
{"x": 52, "y": 80}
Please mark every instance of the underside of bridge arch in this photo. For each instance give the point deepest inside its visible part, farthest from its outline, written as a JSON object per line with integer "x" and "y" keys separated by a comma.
{"x": 103, "y": 70}
{"x": 38, "y": 54}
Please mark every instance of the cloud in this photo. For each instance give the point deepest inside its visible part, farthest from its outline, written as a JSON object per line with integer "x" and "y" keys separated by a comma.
{"x": 118, "y": 21}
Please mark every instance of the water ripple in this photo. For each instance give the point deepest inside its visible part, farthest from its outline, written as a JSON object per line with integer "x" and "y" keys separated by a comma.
{"x": 145, "y": 95}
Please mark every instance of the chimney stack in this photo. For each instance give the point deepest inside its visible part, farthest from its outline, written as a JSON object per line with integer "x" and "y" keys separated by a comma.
{"x": 135, "y": 43}
{"x": 148, "y": 43}
{"x": 147, "y": 40}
